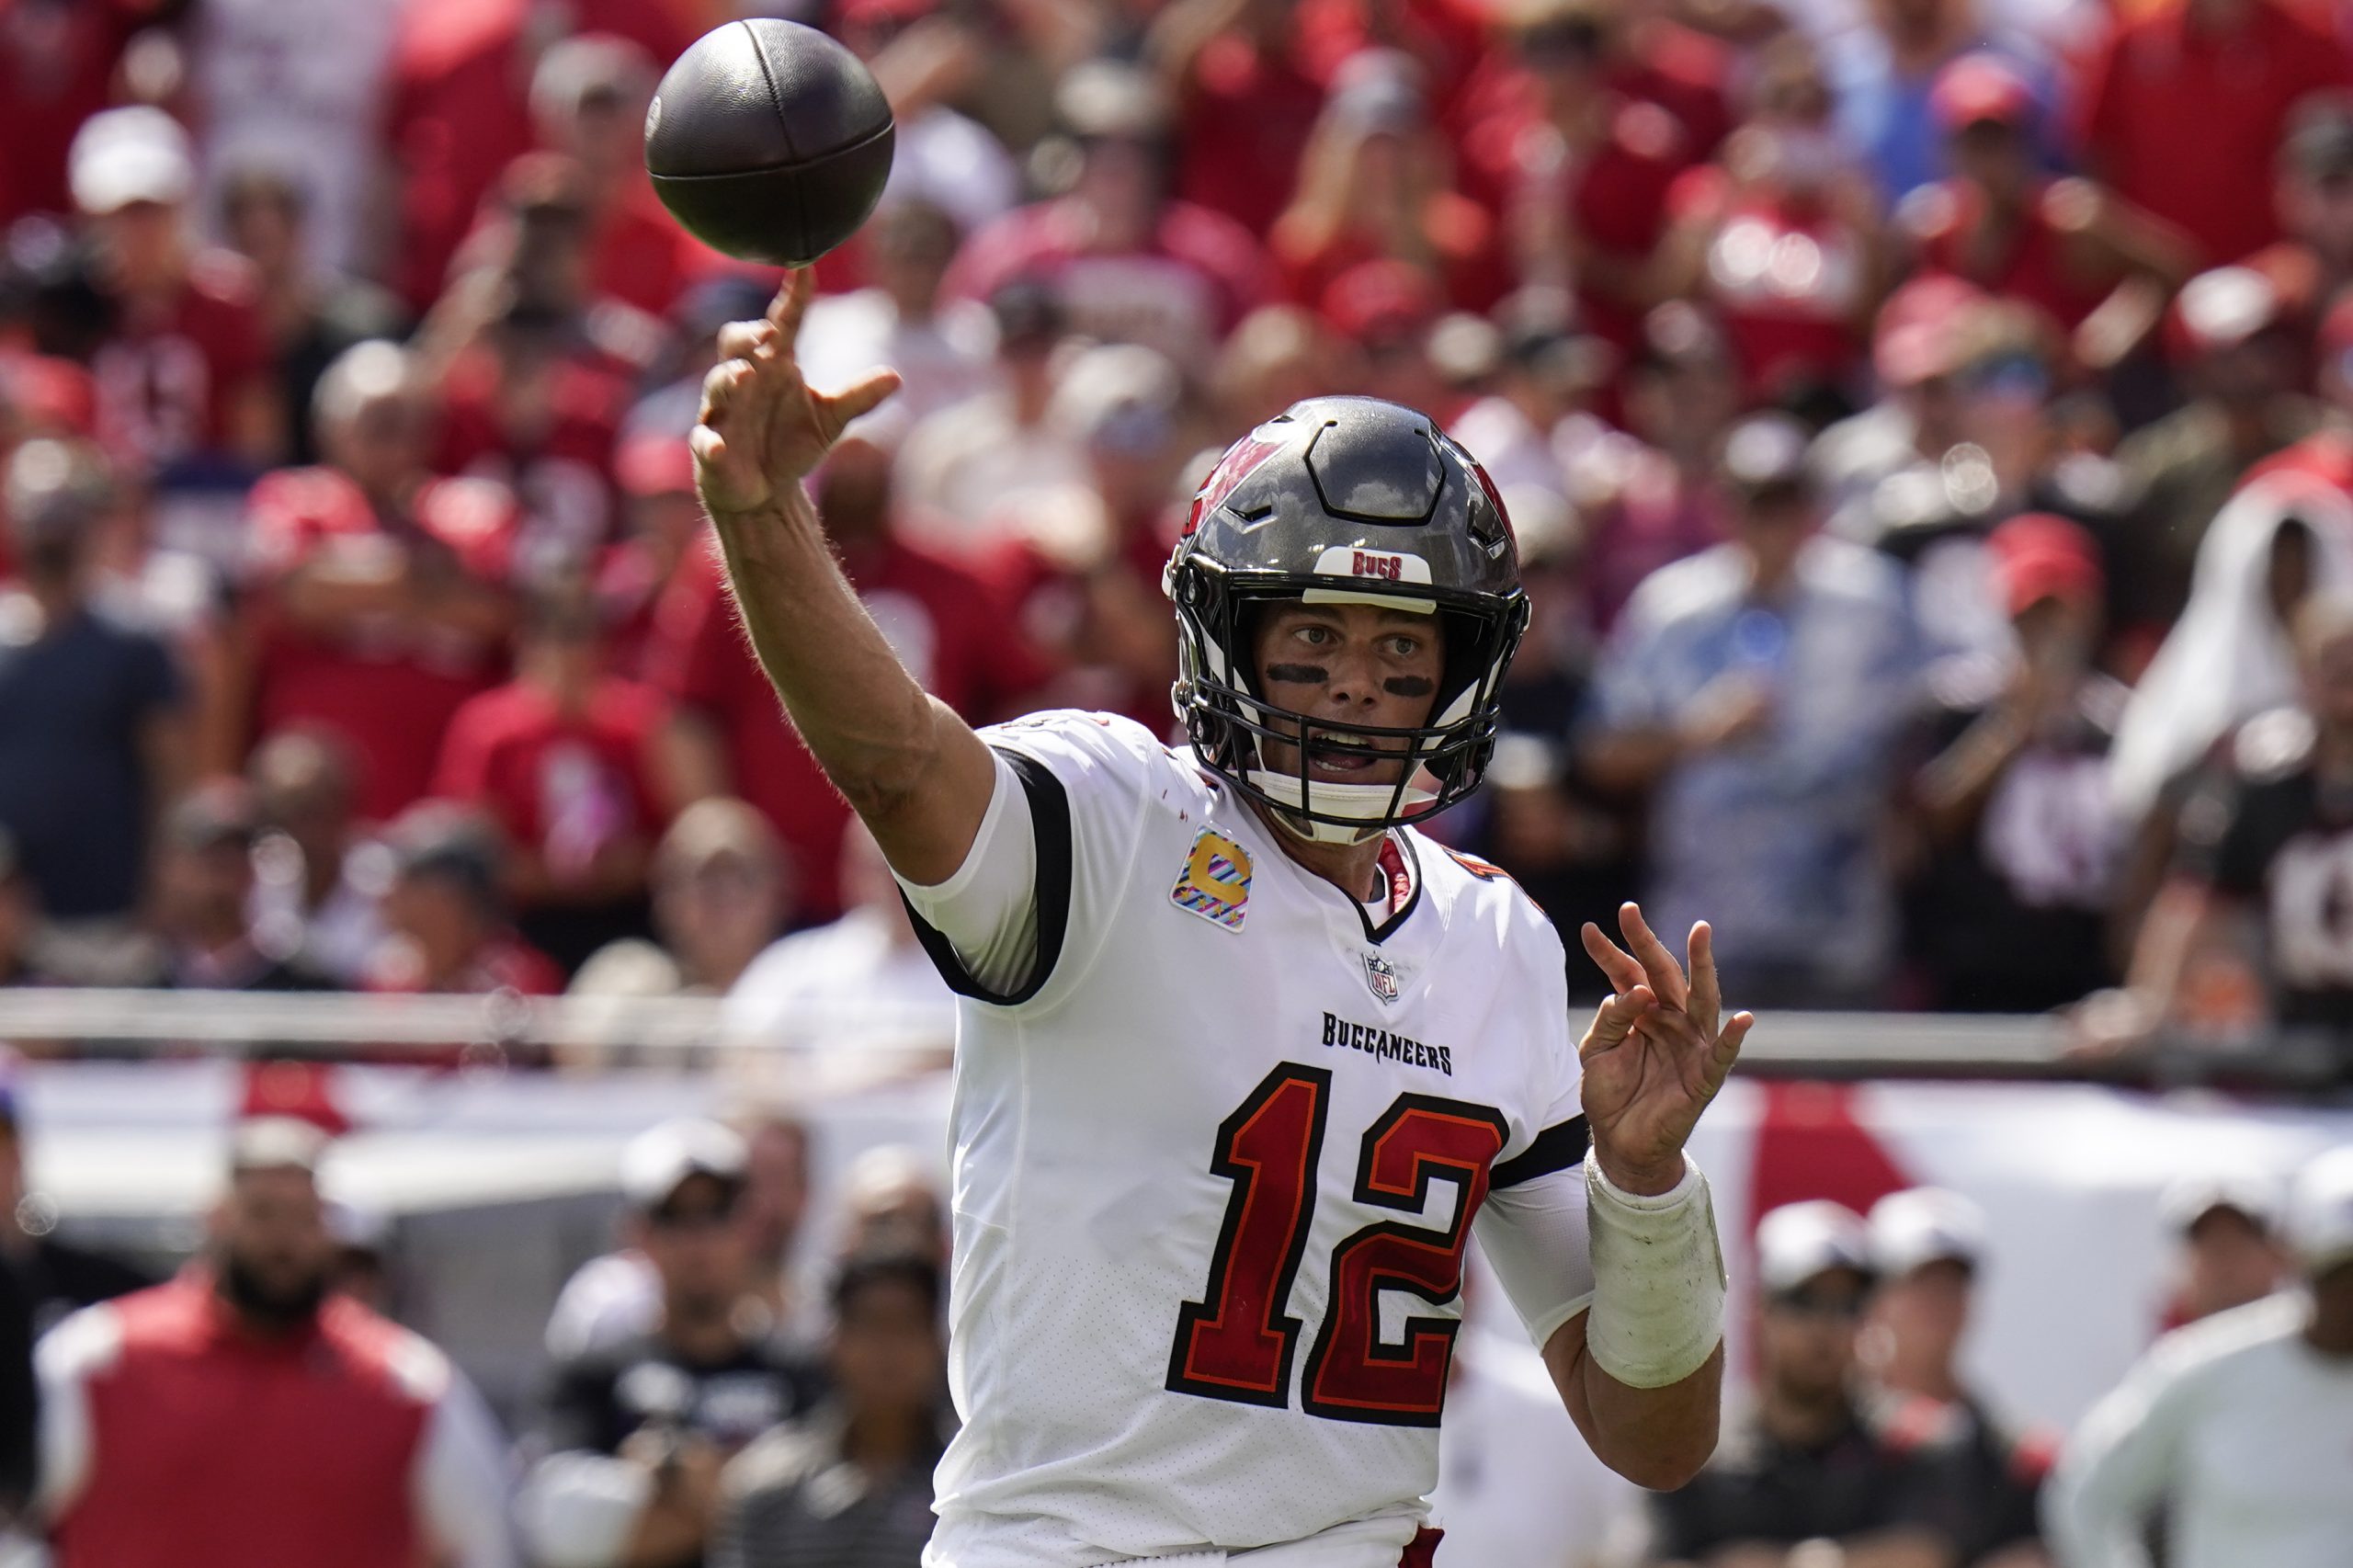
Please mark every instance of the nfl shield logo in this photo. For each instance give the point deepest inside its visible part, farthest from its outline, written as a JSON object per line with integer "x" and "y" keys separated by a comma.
{"x": 1381, "y": 977}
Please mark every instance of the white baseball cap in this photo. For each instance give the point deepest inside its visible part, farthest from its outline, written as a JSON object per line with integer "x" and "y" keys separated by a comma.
{"x": 2320, "y": 1213}
{"x": 657, "y": 1161}
{"x": 2190, "y": 1198}
{"x": 123, "y": 155}
{"x": 1798, "y": 1241}
{"x": 1925, "y": 1225}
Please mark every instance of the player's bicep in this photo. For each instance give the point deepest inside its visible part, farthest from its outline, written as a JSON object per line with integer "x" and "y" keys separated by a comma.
{"x": 1047, "y": 858}
{"x": 981, "y": 926}
{"x": 1532, "y": 1230}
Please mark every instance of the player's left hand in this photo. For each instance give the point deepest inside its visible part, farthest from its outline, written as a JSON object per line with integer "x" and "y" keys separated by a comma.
{"x": 1656, "y": 1054}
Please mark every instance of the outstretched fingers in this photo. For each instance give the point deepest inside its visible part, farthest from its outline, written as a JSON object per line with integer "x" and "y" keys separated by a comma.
{"x": 792, "y": 302}
{"x": 1623, "y": 970}
{"x": 1665, "y": 975}
{"x": 1616, "y": 1019}
{"x": 1707, "y": 994}
{"x": 719, "y": 389}
{"x": 745, "y": 339}
{"x": 1727, "y": 1047}
{"x": 862, "y": 397}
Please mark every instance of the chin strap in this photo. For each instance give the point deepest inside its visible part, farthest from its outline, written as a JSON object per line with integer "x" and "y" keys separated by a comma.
{"x": 1368, "y": 802}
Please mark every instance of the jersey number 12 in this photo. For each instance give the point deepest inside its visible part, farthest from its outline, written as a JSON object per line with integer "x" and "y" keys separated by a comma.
{"x": 1237, "y": 1343}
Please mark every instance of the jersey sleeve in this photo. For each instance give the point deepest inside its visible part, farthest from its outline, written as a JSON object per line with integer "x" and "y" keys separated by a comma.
{"x": 1083, "y": 778}
{"x": 1532, "y": 1226}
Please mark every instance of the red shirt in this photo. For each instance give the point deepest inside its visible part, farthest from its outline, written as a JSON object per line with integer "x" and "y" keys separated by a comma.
{"x": 164, "y": 382}
{"x": 1244, "y": 122}
{"x": 565, "y": 785}
{"x": 1181, "y": 293}
{"x": 1787, "y": 277}
{"x": 2036, "y": 267}
{"x": 213, "y": 1449}
{"x": 1462, "y": 237}
{"x": 558, "y": 466}
{"x": 458, "y": 114}
{"x": 503, "y": 962}
{"x": 386, "y": 687}
{"x": 1617, "y": 197}
{"x": 57, "y": 61}
{"x": 944, "y": 624}
{"x": 2188, "y": 124}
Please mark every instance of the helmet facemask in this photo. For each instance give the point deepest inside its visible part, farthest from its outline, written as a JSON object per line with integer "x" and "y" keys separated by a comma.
{"x": 1229, "y": 720}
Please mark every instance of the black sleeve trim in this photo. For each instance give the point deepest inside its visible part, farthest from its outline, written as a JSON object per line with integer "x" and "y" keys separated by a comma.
{"x": 1555, "y": 1149}
{"x": 1049, "y": 819}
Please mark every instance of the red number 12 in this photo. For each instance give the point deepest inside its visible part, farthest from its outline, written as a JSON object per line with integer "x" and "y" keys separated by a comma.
{"x": 1237, "y": 1342}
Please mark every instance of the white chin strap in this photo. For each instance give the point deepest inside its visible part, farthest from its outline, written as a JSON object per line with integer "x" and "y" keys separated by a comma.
{"x": 1366, "y": 802}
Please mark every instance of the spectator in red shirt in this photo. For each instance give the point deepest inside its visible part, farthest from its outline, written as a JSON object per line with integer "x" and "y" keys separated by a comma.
{"x": 448, "y": 918}
{"x": 1580, "y": 153}
{"x": 459, "y": 111}
{"x": 1782, "y": 237}
{"x": 565, "y": 759}
{"x": 534, "y": 397}
{"x": 949, "y": 630}
{"x": 2064, "y": 246}
{"x": 244, "y": 1414}
{"x": 1382, "y": 314}
{"x": 381, "y": 598}
{"x": 185, "y": 378}
{"x": 1131, "y": 264}
{"x": 2312, "y": 262}
{"x": 2184, "y": 105}
{"x": 588, "y": 101}
{"x": 662, "y": 523}
{"x": 1246, "y": 106}
{"x": 1375, "y": 182}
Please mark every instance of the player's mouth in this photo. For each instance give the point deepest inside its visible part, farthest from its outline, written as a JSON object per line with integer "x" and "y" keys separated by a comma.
{"x": 1348, "y": 757}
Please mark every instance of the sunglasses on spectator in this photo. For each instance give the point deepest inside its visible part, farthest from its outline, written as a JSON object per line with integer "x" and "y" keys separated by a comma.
{"x": 1841, "y": 1305}
{"x": 685, "y": 1218}
{"x": 2011, "y": 375}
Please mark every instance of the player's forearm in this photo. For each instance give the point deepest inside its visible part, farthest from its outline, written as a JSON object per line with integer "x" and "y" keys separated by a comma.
{"x": 907, "y": 765}
{"x": 1655, "y": 1437}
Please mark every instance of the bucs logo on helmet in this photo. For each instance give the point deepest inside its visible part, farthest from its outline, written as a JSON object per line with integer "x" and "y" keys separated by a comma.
{"x": 1346, "y": 499}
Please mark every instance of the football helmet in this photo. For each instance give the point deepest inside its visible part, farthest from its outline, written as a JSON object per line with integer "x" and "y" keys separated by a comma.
{"x": 1342, "y": 500}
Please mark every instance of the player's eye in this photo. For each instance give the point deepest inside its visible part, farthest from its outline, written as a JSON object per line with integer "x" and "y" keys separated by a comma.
{"x": 1314, "y": 636}
{"x": 1404, "y": 647}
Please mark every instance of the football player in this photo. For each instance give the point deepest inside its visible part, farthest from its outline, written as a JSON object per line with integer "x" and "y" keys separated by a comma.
{"x": 1243, "y": 1056}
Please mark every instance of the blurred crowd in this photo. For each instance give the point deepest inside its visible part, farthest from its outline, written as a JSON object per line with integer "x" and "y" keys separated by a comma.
{"x": 707, "y": 1397}
{"x": 1927, "y": 427}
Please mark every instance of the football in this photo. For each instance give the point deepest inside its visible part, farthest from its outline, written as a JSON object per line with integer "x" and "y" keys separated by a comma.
{"x": 768, "y": 140}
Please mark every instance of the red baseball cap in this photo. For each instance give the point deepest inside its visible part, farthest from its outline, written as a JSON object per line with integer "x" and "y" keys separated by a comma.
{"x": 1384, "y": 299}
{"x": 655, "y": 465}
{"x": 1919, "y": 335}
{"x": 1978, "y": 87}
{"x": 2039, "y": 556}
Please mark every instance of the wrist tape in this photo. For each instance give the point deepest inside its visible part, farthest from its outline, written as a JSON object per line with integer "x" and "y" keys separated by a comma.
{"x": 1658, "y": 1294}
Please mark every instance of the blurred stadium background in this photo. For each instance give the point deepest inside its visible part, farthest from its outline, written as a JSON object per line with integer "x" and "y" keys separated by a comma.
{"x": 1928, "y": 425}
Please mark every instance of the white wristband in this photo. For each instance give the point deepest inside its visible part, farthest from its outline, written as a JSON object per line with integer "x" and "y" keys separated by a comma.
{"x": 1658, "y": 1279}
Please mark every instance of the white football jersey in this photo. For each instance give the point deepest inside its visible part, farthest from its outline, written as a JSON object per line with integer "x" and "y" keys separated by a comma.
{"x": 1214, "y": 1168}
